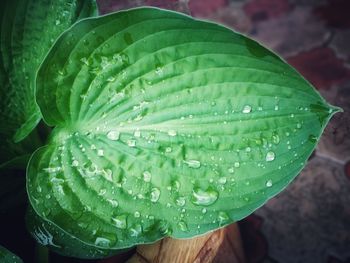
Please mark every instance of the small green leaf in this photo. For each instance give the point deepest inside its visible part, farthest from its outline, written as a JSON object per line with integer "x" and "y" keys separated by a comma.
{"x": 165, "y": 126}
{"x": 28, "y": 29}
{"x": 49, "y": 234}
{"x": 8, "y": 257}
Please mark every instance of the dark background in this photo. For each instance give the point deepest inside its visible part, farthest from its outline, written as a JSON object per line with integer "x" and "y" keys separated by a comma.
{"x": 310, "y": 220}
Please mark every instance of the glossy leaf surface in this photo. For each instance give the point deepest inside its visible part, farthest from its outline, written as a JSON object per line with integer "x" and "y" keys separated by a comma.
{"x": 28, "y": 30}
{"x": 165, "y": 126}
{"x": 49, "y": 234}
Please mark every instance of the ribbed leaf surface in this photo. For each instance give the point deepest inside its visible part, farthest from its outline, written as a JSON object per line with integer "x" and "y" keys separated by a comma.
{"x": 165, "y": 126}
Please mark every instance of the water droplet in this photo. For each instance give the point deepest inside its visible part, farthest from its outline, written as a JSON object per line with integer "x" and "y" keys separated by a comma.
{"x": 175, "y": 185}
{"x": 111, "y": 79}
{"x": 113, "y": 135}
{"x": 247, "y": 109}
{"x": 57, "y": 22}
{"x": 108, "y": 174}
{"x": 147, "y": 176}
{"x": 137, "y": 134}
{"x": 193, "y": 164}
{"x": 231, "y": 170}
{"x": 223, "y": 218}
{"x": 155, "y": 194}
{"x": 102, "y": 242}
{"x": 113, "y": 202}
{"x": 85, "y": 61}
{"x": 120, "y": 221}
{"x": 93, "y": 147}
{"x": 53, "y": 169}
{"x": 269, "y": 183}
{"x": 237, "y": 164}
{"x": 276, "y": 107}
{"x": 204, "y": 197}
{"x": 298, "y": 125}
{"x": 248, "y": 149}
{"x": 222, "y": 180}
{"x": 75, "y": 163}
{"x": 270, "y": 156}
{"x": 131, "y": 143}
{"x": 102, "y": 191}
{"x": 204, "y": 211}
{"x": 312, "y": 138}
{"x": 137, "y": 214}
{"x": 104, "y": 62}
{"x": 100, "y": 152}
{"x": 181, "y": 201}
{"x": 159, "y": 71}
{"x": 275, "y": 138}
{"x": 168, "y": 149}
{"x": 172, "y": 133}
{"x": 183, "y": 226}
{"x": 90, "y": 169}
{"x": 136, "y": 230}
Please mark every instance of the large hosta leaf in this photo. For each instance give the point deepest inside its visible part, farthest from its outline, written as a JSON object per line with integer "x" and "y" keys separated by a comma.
{"x": 165, "y": 125}
{"x": 28, "y": 29}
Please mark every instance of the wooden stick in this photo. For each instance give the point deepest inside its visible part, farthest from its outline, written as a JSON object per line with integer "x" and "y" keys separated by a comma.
{"x": 223, "y": 245}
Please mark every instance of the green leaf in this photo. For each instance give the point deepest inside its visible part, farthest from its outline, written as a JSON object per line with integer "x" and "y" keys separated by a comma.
{"x": 28, "y": 30}
{"x": 49, "y": 234}
{"x": 165, "y": 126}
{"x": 8, "y": 257}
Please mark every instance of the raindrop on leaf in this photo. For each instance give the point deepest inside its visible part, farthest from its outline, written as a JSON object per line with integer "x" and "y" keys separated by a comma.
{"x": 147, "y": 176}
{"x": 120, "y": 221}
{"x": 193, "y": 164}
{"x": 155, "y": 194}
{"x": 269, "y": 183}
{"x": 270, "y": 156}
{"x": 183, "y": 226}
{"x": 113, "y": 135}
{"x": 247, "y": 109}
{"x": 204, "y": 197}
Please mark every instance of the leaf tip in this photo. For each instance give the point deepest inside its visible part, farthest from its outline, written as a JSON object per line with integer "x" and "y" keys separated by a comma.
{"x": 334, "y": 109}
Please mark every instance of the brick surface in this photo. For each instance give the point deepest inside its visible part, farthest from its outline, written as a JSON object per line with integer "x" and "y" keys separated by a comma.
{"x": 205, "y": 8}
{"x": 341, "y": 44}
{"x": 260, "y": 10}
{"x": 107, "y": 6}
{"x": 321, "y": 67}
{"x": 293, "y": 33}
{"x": 309, "y": 220}
{"x": 335, "y": 13}
{"x": 234, "y": 17}
{"x": 335, "y": 143}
